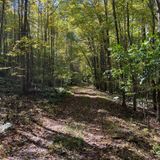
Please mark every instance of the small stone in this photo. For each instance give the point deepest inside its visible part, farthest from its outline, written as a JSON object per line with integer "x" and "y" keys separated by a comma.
{"x": 5, "y": 126}
{"x": 102, "y": 111}
{"x": 116, "y": 98}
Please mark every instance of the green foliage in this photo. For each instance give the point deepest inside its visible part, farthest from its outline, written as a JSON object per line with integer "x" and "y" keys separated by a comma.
{"x": 65, "y": 40}
{"x": 54, "y": 95}
{"x": 156, "y": 149}
{"x": 21, "y": 47}
{"x": 140, "y": 61}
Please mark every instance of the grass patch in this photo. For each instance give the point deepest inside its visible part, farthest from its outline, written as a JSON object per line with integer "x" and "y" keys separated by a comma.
{"x": 63, "y": 143}
{"x": 109, "y": 127}
{"x": 75, "y": 129}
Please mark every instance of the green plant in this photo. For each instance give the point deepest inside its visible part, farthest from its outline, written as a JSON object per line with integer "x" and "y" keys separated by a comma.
{"x": 70, "y": 143}
{"x": 156, "y": 149}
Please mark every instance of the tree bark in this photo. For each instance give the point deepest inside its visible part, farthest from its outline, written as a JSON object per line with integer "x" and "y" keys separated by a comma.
{"x": 115, "y": 20}
{"x": 158, "y": 90}
{"x": 154, "y": 95}
{"x": 107, "y": 45}
{"x": 151, "y": 5}
{"x": 24, "y": 33}
{"x": 2, "y": 25}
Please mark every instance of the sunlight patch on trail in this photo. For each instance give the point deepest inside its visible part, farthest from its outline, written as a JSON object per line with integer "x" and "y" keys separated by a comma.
{"x": 82, "y": 132}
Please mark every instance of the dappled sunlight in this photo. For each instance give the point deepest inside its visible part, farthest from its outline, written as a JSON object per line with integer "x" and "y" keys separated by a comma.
{"x": 79, "y": 127}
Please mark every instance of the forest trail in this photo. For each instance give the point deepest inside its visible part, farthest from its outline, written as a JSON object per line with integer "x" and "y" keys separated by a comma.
{"x": 85, "y": 125}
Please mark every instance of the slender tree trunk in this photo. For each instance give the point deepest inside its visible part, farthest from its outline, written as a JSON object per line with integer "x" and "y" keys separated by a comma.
{"x": 45, "y": 47}
{"x": 128, "y": 24}
{"x": 124, "y": 99}
{"x": 24, "y": 33}
{"x": 95, "y": 61}
{"x": 115, "y": 20}
{"x": 158, "y": 90}
{"x": 107, "y": 45}
{"x": 103, "y": 85}
{"x": 133, "y": 74}
{"x": 143, "y": 27}
{"x": 134, "y": 81}
{"x": 151, "y": 5}
{"x": 2, "y": 25}
{"x": 52, "y": 55}
{"x": 158, "y": 105}
{"x": 154, "y": 95}
{"x": 158, "y": 15}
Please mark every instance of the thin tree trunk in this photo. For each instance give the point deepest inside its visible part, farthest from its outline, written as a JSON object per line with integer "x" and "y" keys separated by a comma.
{"x": 2, "y": 25}
{"x": 154, "y": 95}
{"x": 115, "y": 20}
{"x": 128, "y": 24}
{"x": 151, "y": 5}
{"x": 134, "y": 92}
{"x": 158, "y": 90}
{"x": 107, "y": 45}
{"x": 24, "y": 33}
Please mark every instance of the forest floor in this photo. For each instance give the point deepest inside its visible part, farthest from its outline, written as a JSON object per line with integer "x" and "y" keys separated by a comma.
{"x": 84, "y": 125}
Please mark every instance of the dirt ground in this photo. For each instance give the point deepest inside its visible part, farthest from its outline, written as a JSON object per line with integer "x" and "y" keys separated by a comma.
{"x": 85, "y": 125}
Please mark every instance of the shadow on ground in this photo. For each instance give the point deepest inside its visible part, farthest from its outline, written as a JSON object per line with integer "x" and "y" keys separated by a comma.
{"x": 82, "y": 126}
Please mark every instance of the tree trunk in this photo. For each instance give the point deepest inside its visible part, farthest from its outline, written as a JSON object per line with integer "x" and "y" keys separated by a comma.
{"x": 154, "y": 95}
{"x": 115, "y": 20}
{"x": 128, "y": 24}
{"x": 158, "y": 90}
{"x": 151, "y": 5}
{"x": 107, "y": 45}
{"x": 24, "y": 33}
{"x": 2, "y": 25}
{"x": 134, "y": 93}
{"x": 158, "y": 106}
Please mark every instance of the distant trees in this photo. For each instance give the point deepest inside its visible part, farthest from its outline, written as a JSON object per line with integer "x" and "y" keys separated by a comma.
{"x": 123, "y": 43}
{"x": 33, "y": 40}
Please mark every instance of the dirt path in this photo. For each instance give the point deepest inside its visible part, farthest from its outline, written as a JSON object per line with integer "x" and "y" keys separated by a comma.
{"x": 86, "y": 125}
